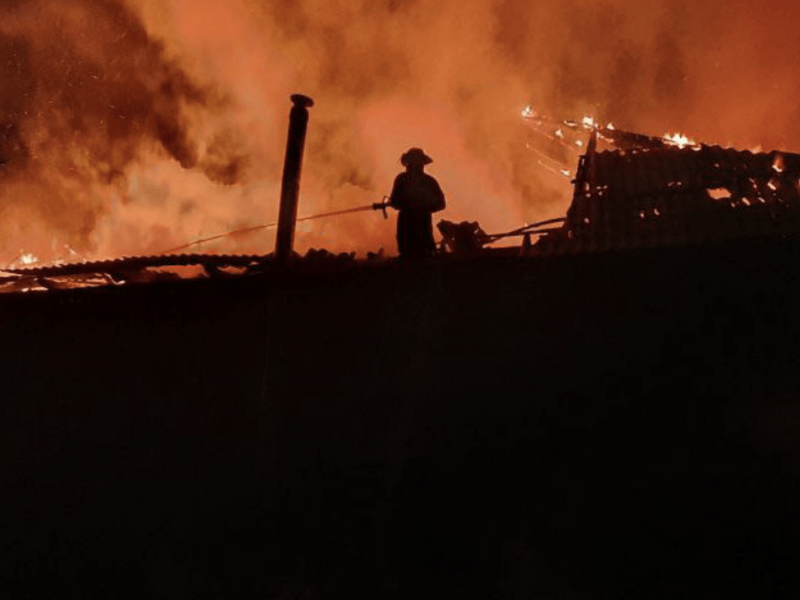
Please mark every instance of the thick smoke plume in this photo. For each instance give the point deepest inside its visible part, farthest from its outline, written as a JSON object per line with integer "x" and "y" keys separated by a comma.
{"x": 87, "y": 94}
{"x": 130, "y": 127}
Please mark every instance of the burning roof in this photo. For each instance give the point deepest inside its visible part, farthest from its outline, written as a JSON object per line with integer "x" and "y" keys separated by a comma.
{"x": 680, "y": 194}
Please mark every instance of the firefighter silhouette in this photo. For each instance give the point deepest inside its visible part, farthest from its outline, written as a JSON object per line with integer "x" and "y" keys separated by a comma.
{"x": 416, "y": 195}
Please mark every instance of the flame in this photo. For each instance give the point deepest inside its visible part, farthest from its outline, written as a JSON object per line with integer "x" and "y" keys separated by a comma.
{"x": 28, "y": 259}
{"x": 680, "y": 140}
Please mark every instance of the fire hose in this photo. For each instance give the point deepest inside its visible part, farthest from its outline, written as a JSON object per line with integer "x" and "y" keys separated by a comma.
{"x": 382, "y": 206}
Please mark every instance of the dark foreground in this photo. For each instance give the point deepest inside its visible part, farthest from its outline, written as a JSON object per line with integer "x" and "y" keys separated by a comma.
{"x": 609, "y": 426}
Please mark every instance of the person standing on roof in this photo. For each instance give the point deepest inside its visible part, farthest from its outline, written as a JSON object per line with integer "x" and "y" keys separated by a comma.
{"x": 416, "y": 195}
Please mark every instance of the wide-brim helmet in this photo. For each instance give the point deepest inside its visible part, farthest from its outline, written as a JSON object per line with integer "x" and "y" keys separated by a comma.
{"x": 415, "y": 156}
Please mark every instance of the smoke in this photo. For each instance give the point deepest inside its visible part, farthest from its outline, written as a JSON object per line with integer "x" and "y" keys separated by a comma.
{"x": 130, "y": 127}
{"x": 87, "y": 93}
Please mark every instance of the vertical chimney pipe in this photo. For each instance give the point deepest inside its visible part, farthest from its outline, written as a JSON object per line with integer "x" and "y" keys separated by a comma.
{"x": 292, "y": 167}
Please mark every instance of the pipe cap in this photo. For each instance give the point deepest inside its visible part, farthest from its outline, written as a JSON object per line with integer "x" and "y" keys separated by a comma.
{"x": 302, "y": 101}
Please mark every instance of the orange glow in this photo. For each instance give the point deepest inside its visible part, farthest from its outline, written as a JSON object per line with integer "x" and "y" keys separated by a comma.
{"x": 131, "y": 126}
{"x": 719, "y": 194}
{"x": 679, "y": 140}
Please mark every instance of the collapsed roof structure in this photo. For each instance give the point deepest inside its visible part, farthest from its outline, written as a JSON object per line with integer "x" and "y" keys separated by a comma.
{"x": 652, "y": 194}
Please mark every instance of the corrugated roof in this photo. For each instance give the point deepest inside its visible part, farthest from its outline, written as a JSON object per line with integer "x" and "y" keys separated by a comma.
{"x": 134, "y": 263}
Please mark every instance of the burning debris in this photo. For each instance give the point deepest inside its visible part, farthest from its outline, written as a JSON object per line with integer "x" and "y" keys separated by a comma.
{"x": 553, "y": 129}
{"x": 680, "y": 140}
{"x": 677, "y": 195}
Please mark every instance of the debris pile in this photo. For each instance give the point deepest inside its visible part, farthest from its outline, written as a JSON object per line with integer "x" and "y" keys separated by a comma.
{"x": 676, "y": 195}
{"x": 466, "y": 237}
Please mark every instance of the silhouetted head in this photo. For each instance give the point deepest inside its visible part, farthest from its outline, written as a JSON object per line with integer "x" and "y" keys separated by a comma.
{"x": 415, "y": 158}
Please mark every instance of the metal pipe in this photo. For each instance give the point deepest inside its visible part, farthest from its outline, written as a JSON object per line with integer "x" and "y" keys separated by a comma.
{"x": 292, "y": 166}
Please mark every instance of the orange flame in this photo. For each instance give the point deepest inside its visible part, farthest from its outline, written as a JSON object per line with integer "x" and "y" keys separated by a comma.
{"x": 680, "y": 140}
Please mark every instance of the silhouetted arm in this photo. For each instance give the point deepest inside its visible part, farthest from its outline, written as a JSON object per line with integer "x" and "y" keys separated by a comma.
{"x": 439, "y": 203}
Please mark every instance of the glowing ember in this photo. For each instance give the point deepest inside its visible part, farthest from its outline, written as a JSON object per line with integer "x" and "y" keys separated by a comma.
{"x": 610, "y": 127}
{"x": 679, "y": 140}
{"x": 589, "y": 123}
{"x": 778, "y": 165}
{"x": 528, "y": 112}
{"x": 565, "y": 172}
{"x": 719, "y": 193}
{"x": 559, "y": 134}
{"x": 579, "y": 144}
{"x": 28, "y": 259}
